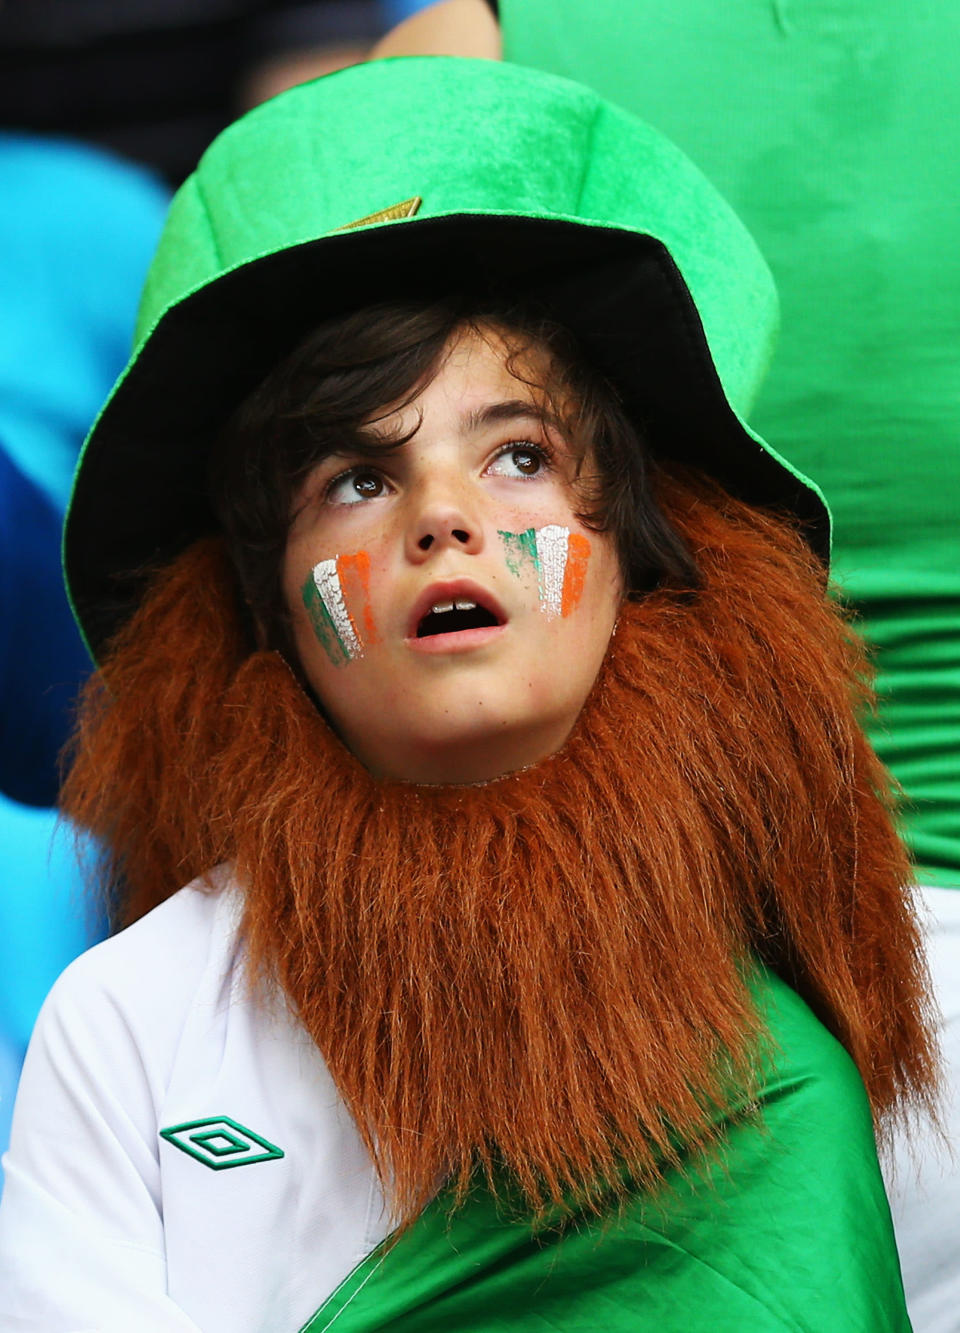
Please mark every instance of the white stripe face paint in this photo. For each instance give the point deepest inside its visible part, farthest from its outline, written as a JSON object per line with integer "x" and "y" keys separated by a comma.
{"x": 327, "y": 582}
{"x": 552, "y": 560}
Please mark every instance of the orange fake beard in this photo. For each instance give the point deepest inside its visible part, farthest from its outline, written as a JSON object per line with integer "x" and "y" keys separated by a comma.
{"x": 543, "y": 974}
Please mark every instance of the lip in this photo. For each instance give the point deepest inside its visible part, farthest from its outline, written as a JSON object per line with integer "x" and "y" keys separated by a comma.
{"x": 461, "y": 640}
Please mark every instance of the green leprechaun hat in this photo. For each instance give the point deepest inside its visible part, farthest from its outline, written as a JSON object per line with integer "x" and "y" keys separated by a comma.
{"x": 418, "y": 177}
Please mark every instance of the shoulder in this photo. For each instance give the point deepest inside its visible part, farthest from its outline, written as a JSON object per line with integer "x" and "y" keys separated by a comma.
{"x": 805, "y": 1065}
{"x": 169, "y": 944}
{"x": 807, "y": 1120}
{"x": 794, "y": 1204}
{"x": 782, "y": 1224}
{"x": 137, "y": 988}
{"x": 83, "y": 1147}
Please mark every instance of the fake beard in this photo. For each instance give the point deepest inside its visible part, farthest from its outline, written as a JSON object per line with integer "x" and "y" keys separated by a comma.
{"x": 543, "y": 974}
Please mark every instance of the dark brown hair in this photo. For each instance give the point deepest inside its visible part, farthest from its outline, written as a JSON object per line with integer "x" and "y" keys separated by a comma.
{"x": 322, "y": 396}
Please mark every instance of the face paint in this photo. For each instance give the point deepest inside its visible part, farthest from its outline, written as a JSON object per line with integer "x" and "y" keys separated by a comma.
{"x": 520, "y": 548}
{"x": 552, "y": 560}
{"x": 559, "y": 557}
{"x": 336, "y": 594}
{"x": 578, "y": 553}
{"x": 354, "y": 572}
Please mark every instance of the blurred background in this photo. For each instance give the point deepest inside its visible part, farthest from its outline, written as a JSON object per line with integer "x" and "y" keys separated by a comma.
{"x": 155, "y": 80}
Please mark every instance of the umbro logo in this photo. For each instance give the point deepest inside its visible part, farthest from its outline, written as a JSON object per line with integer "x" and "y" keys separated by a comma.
{"x": 219, "y": 1142}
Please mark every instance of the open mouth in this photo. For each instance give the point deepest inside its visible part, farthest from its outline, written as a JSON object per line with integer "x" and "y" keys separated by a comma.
{"x": 451, "y": 617}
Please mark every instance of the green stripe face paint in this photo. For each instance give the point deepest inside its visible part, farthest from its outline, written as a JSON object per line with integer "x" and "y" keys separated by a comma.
{"x": 322, "y": 620}
{"x": 520, "y": 549}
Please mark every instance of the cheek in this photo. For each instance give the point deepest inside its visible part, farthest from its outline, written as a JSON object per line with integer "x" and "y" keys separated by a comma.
{"x": 557, "y": 557}
{"x": 336, "y": 597}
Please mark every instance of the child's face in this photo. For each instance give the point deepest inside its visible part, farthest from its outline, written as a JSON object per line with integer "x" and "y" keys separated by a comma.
{"x": 449, "y": 609}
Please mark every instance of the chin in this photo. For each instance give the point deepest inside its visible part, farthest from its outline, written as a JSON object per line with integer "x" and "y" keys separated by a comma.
{"x": 478, "y": 749}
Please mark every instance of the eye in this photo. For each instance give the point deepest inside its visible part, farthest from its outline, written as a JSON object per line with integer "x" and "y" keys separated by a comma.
{"x": 355, "y": 485}
{"x": 520, "y": 460}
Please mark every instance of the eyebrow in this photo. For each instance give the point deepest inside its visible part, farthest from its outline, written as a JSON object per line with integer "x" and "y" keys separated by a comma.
{"x": 513, "y": 409}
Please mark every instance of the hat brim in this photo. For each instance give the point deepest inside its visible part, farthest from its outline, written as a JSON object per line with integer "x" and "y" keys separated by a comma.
{"x": 140, "y": 495}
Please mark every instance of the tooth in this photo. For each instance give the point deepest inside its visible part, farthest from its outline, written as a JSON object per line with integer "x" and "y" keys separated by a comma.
{"x": 439, "y": 608}
{"x": 465, "y": 606}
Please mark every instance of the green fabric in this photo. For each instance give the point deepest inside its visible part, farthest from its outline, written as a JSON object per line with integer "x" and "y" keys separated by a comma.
{"x": 788, "y": 1229}
{"x": 832, "y": 129}
{"x": 527, "y": 183}
{"x": 537, "y": 147}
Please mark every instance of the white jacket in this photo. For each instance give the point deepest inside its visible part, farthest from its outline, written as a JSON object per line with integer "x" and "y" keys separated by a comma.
{"x": 107, "y": 1225}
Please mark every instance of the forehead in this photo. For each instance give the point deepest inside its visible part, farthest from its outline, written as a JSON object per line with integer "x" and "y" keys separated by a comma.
{"x": 483, "y": 374}
{"x": 486, "y": 350}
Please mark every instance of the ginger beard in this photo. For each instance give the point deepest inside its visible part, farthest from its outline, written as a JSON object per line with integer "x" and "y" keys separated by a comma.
{"x": 543, "y": 974}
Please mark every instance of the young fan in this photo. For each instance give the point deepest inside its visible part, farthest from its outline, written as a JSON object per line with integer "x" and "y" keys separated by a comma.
{"x": 547, "y": 960}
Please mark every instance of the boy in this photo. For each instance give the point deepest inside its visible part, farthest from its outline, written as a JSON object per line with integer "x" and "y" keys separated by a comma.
{"x": 520, "y": 733}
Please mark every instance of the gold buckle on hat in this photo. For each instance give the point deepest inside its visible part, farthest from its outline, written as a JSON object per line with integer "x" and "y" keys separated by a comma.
{"x": 404, "y": 210}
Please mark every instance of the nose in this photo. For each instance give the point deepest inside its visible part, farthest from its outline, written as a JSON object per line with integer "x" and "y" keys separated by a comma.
{"x": 441, "y": 522}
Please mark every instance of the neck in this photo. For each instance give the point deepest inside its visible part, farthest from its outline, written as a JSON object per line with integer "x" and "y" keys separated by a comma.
{"x": 470, "y": 760}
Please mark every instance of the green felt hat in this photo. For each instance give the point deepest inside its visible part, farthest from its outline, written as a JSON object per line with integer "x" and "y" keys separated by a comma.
{"x": 421, "y": 176}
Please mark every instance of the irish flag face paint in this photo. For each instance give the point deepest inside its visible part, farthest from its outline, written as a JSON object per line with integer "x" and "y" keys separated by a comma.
{"x": 559, "y": 557}
{"x": 336, "y": 594}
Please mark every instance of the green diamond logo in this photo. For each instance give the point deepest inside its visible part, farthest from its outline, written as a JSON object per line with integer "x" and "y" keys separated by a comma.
{"x": 219, "y": 1142}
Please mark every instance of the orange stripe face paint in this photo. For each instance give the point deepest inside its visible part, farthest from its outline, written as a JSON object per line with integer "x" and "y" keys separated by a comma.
{"x": 354, "y": 572}
{"x": 336, "y": 594}
{"x": 578, "y": 553}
